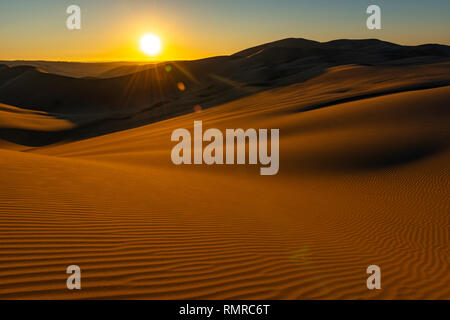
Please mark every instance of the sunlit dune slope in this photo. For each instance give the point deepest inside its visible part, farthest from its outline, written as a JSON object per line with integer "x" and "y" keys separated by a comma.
{"x": 13, "y": 117}
{"x": 19, "y": 127}
{"x": 363, "y": 180}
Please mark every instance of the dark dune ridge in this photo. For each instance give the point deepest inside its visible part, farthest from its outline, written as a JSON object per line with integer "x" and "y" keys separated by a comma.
{"x": 80, "y": 69}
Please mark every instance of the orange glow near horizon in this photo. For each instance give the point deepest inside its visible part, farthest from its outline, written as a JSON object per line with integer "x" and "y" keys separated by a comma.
{"x": 121, "y": 44}
{"x": 112, "y": 29}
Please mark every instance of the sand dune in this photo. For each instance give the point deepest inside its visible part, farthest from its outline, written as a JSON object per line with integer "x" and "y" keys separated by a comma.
{"x": 27, "y": 127}
{"x": 364, "y": 178}
{"x": 82, "y": 69}
{"x": 360, "y": 183}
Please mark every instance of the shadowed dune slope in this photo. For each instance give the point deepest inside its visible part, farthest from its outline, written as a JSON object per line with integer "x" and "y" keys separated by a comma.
{"x": 361, "y": 182}
{"x": 310, "y": 90}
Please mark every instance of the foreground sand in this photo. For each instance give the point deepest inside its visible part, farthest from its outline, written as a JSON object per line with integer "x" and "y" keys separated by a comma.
{"x": 360, "y": 183}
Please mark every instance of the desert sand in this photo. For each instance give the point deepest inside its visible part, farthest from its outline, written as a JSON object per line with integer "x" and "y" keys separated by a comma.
{"x": 364, "y": 179}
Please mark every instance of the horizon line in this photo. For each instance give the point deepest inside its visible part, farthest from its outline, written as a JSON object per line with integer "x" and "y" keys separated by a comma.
{"x": 155, "y": 61}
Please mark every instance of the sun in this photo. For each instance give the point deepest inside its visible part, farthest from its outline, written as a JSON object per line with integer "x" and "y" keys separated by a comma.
{"x": 150, "y": 44}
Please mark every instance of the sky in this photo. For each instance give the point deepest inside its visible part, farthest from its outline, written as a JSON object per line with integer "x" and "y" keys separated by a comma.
{"x": 193, "y": 29}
